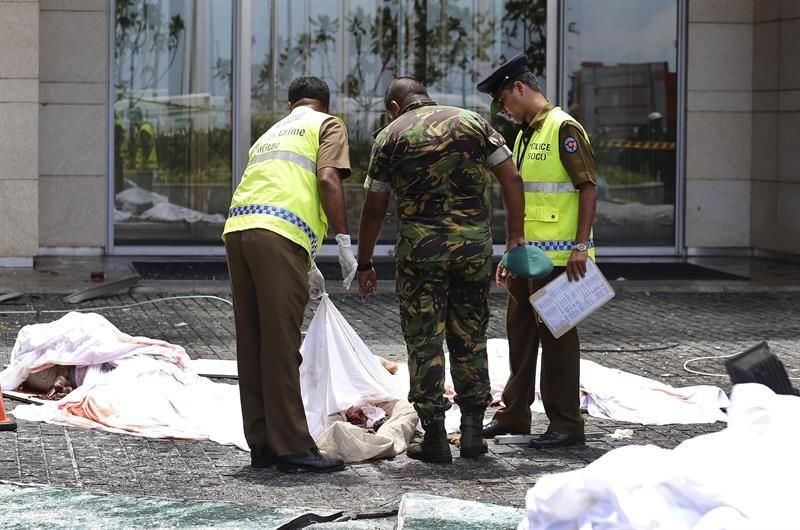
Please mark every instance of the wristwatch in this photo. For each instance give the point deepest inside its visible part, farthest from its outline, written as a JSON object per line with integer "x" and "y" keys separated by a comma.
{"x": 365, "y": 268}
{"x": 581, "y": 247}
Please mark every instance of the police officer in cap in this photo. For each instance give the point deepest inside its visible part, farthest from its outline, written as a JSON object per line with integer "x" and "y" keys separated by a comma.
{"x": 556, "y": 162}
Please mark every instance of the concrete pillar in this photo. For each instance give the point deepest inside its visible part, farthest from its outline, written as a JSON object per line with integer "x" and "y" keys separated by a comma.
{"x": 776, "y": 122}
{"x": 719, "y": 123}
{"x": 19, "y": 132}
{"x": 73, "y": 174}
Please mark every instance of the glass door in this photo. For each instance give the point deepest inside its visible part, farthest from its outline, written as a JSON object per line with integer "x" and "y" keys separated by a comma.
{"x": 620, "y": 80}
{"x": 172, "y": 67}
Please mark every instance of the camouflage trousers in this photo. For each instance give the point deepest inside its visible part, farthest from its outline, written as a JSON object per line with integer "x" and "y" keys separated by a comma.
{"x": 438, "y": 300}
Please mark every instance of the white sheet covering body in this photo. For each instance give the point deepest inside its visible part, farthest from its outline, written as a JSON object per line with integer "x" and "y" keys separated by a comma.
{"x": 152, "y": 392}
{"x": 339, "y": 371}
{"x": 612, "y": 394}
{"x": 82, "y": 340}
{"x": 743, "y": 477}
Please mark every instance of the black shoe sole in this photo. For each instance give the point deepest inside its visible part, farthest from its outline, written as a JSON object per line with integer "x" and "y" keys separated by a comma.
{"x": 486, "y": 436}
{"x": 433, "y": 459}
{"x": 297, "y": 468}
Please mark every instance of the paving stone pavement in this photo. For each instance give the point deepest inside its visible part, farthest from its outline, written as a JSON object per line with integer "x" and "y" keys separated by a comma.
{"x": 649, "y": 334}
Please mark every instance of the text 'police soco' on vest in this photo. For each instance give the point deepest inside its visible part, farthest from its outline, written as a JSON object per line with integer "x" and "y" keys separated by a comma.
{"x": 535, "y": 151}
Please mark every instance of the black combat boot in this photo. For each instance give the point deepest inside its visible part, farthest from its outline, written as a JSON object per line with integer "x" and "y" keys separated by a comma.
{"x": 472, "y": 443}
{"x": 434, "y": 447}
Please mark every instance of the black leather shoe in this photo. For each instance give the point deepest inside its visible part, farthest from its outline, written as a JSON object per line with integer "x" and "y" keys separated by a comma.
{"x": 552, "y": 439}
{"x": 262, "y": 457}
{"x": 494, "y": 429}
{"x": 312, "y": 460}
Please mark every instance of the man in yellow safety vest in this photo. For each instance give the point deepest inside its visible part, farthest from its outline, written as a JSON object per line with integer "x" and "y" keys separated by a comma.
{"x": 556, "y": 162}
{"x": 146, "y": 156}
{"x": 290, "y": 191}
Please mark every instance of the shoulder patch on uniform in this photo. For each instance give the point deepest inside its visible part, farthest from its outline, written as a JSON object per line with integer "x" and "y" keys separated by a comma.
{"x": 570, "y": 144}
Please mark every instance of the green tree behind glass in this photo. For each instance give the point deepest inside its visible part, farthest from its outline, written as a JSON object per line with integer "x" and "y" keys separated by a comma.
{"x": 143, "y": 36}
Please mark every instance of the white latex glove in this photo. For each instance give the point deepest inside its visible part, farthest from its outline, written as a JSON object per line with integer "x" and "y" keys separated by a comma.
{"x": 316, "y": 282}
{"x": 346, "y": 259}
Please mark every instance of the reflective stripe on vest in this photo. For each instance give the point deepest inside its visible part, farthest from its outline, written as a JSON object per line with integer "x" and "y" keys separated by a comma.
{"x": 551, "y": 200}
{"x": 279, "y": 191}
{"x": 300, "y": 160}
{"x": 282, "y": 213}
{"x": 549, "y": 187}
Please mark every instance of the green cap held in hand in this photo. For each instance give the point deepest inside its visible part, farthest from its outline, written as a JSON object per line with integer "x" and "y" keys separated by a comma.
{"x": 528, "y": 261}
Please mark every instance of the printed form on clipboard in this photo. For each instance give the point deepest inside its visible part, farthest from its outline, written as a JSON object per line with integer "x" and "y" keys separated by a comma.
{"x": 562, "y": 304}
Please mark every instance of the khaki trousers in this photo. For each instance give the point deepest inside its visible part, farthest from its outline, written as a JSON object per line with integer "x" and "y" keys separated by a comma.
{"x": 560, "y": 373}
{"x": 270, "y": 290}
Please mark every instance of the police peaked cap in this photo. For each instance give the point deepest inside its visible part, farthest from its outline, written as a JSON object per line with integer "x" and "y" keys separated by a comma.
{"x": 508, "y": 70}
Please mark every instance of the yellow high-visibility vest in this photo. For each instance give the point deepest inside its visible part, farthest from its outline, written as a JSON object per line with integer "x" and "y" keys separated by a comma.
{"x": 148, "y": 160}
{"x": 278, "y": 191}
{"x": 551, "y": 200}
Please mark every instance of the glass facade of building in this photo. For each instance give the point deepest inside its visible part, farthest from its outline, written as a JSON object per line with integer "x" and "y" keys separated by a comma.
{"x": 621, "y": 82}
{"x": 172, "y": 121}
{"x": 177, "y": 65}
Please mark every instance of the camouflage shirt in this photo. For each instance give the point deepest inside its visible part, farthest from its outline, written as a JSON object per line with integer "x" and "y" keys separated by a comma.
{"x": 435, "y": 159}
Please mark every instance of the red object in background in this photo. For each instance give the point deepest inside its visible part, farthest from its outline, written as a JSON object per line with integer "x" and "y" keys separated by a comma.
{"x": 6, "y": 423}
{"x": 98, "y": 276}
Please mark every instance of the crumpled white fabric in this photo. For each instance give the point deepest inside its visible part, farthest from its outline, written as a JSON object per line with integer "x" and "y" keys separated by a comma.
{"x": 148, "y": 397}
{"x": 616, "y": 395}
{"x": 354, "y": 444}
{"x": 134, "y": 198}
{"x": 339, "y": 371}
{"x": 166, "y": 211}
{"x": 743, "y": 477}
{"x": 150, "y": 392}
{"x": 81, "y": 340}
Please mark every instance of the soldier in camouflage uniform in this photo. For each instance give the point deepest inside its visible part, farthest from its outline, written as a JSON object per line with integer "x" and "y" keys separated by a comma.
{"x": 435, "y": 159}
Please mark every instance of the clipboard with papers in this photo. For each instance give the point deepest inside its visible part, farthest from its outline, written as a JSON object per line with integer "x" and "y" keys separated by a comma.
{"x": 562, "y": 304}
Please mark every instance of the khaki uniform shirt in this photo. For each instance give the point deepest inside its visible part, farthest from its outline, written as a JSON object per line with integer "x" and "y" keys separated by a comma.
{"x": 333, "y": 148}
